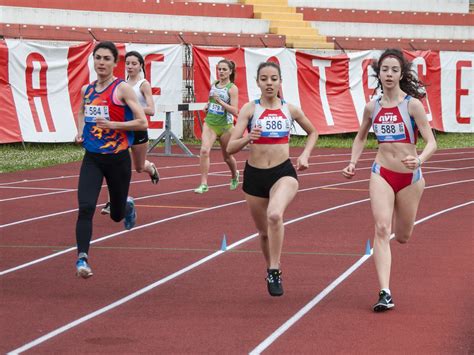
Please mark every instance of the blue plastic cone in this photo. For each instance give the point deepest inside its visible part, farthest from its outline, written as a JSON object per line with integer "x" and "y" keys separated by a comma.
{"x": 367, "y": 248}
{"x": 224, "y": 243}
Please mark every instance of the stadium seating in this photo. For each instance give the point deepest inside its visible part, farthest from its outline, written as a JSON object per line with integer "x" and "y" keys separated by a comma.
{"x": 286, "y": 21}
{"x": 150, "y": 22}
{"x": 356, "y": 29}
{"x": 448, "y": 6}
{"x": 303, "y": 24}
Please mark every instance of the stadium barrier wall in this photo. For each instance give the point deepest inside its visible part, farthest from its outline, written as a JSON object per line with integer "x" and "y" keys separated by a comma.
{"x": 40, "y": 85}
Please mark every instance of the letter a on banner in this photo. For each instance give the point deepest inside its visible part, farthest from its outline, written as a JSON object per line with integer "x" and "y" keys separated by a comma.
{"x": 38, "y": 94}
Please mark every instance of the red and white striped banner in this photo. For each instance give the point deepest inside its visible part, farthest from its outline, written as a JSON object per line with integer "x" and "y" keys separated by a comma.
{"x": 332, "y": 91}
{"x": 40, "y": 85}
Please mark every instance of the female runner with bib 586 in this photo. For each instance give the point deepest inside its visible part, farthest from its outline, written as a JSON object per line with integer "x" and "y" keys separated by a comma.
{"x": 270, "y": 180}
{"x": 396, "y": 183}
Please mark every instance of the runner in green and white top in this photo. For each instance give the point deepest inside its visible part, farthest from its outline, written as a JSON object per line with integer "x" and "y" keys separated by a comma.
{"x": 216, "y": 113}
{"x": 221, "y": 109}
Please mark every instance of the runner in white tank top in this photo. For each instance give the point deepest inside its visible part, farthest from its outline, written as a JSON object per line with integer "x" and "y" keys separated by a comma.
{"x": 135, "y": 66}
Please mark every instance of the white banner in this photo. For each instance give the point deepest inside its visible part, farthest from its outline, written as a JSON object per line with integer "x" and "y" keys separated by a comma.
{"x": 45, "y": 85}
{"x": 40, "y": 85}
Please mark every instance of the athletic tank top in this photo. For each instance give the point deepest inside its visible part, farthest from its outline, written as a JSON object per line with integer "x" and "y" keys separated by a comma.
{"x": 276, "y": 124}
{"x": 394, "y": 124}
{"x": 138, "y": 92}
{"x": 105, "y": 104}
{"x": 216, "y": 114}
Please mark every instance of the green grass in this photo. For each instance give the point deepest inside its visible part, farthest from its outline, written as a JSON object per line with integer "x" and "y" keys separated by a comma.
{"x": 35, "y": 155}
{"x": 17, "y": 156}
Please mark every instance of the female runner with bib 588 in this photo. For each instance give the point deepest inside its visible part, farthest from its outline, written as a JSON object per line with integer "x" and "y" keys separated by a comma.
{"x": 270, "y": 180}
{"x": 396, "y": 183}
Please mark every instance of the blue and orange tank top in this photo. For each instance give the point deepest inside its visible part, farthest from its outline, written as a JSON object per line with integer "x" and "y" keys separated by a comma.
{"x": 275, "y": 123}
{"x": 105, "y": 104}
{"x": 394, "y": 124}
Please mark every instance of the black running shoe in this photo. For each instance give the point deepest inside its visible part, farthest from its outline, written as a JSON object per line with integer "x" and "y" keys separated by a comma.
{"x": 275, "y": 287}
{"x": 385, "y": 302}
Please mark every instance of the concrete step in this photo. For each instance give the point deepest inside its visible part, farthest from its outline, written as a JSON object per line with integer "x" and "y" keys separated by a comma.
{"x": 292, "y": 38}
{"x": 283, "y": 23}
{"x": 294, "y": 31}
{"x": 265, "y": 2}
{"x": 279, "y": 16}
{"x": 273, "y": 8}
{"x": 309, "y": 44}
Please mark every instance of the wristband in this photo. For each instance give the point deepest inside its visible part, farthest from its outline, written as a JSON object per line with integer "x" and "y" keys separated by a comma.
{"x": 419, "y": 161}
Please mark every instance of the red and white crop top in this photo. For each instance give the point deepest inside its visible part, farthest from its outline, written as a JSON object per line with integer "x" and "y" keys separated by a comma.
{"x": 394, "y": 124}
{"x": 275, "y": 123}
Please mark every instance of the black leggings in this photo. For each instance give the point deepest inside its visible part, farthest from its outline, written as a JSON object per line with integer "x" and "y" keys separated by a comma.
{"x": 116, "y": 168}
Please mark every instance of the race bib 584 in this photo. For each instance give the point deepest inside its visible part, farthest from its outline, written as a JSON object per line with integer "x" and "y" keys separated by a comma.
{"x": 91, "y": 112}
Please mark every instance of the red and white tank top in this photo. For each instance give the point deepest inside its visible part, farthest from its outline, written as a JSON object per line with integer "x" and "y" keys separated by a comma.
{"x": 394, "y": 124}
{"x": 275, "y": 123}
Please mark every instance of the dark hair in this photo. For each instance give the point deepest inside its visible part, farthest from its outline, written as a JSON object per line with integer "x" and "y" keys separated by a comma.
{"x": 409, "y": 82}
{"x": 231, "y": 66}
{"x": 140, "y": 60}
{"x": 107, "y": 45}
{"x": 268, "y": 64}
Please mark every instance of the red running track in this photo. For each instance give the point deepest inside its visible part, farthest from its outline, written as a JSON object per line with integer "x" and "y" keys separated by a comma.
{"x": 166, "y": 287}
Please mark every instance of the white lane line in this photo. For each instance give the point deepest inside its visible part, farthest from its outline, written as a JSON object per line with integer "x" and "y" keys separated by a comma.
{"x": 100, "y": 205}
{"x": 166, "y": 167}
{"x": 310, "y": 305}
{"x": 40, "y": 179}
{"x": 36, "y": 261}
{"x": 215, "y": 163}
{"x": 213, "y": 186}
{"x": 37, "y": 195}
{"x": 33, "y": 188}
{"x": 178, "y": 273}
{"x": 169, "y": 193}
{"x": 170, "y": 277}
{"x": 4, "y": 272}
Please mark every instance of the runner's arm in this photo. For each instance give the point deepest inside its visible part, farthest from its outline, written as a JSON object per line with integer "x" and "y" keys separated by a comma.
{"x": 236, "y": 141}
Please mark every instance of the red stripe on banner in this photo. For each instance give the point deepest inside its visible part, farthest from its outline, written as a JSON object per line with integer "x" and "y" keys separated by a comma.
{"x": 10, "y": 128}
{"x": 119, "y": 70}
{"x": 428, "y": 67}
{"x": 323, "y": 84}
{"x": 460, "y": 91}
{"x": 202, "y": 76}
{"x": 78, "y": 73}
{"x": 155, "y": 91}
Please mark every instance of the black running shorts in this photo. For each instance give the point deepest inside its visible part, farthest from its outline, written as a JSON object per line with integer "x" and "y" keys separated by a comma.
{"x": 140, "y": 137}
{"x": 258, "y": 182}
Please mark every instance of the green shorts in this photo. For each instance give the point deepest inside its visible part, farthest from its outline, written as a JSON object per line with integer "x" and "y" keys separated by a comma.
{"x": 220, "y": 129}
